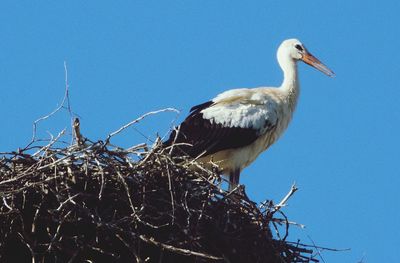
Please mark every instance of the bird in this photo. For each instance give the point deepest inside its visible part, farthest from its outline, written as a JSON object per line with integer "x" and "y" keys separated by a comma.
{"x": 236, "y": 126}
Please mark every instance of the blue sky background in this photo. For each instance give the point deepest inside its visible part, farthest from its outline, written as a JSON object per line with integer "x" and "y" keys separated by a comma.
{"x": 126, "y": 58}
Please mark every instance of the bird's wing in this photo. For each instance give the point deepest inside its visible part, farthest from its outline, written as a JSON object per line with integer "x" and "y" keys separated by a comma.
{"x": 223, "y": 124}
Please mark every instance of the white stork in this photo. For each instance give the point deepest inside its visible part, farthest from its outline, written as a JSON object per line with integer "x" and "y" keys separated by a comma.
{"x": 232, "y": 129}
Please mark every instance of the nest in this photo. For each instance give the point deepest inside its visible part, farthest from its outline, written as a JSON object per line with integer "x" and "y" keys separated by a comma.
{"x": 94, "y": 202}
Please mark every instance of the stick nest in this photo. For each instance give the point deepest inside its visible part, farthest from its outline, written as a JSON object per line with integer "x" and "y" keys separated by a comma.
{"x": 92, "y": 202}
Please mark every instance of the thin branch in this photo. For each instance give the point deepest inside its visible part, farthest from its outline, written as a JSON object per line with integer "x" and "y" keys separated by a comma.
{"x": 284, "y": 201}
{"x": 70, "y": 199}
{"x": 138, "y": 120}
{"x": 6, "y": 204}
{"x": 65, "y": 100}
{"x": 182, "y": 251}
{"x": 281, "y": 221}
{"x": 51, "y": 143}
{"x": 319, "y": 247}
{"x": 171, "y": 195}
{"x": 67, "y": 89}
{"x": 22, "y": 239}
{"x": 177, "y": 130}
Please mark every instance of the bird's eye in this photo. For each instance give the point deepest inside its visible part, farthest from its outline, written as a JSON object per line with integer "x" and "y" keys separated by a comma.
{"x": 298, "y": 47}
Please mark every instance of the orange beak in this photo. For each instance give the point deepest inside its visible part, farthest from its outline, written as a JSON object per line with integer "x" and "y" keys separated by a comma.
{"x": 309, "y": 59}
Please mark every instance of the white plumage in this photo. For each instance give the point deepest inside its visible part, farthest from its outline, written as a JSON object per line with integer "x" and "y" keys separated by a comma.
{"x": 245, "y": 108}
{"x": 232, "y": 129}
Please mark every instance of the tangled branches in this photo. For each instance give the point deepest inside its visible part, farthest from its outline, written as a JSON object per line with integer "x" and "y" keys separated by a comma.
{"x": 91, "y": 202}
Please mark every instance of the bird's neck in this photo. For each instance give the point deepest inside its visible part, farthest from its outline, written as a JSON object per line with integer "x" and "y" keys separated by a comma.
{"x": 290, "y": 84}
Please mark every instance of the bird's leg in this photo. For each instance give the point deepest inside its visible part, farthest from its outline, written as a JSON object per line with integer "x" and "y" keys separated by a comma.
{"x": 234, "y": 179}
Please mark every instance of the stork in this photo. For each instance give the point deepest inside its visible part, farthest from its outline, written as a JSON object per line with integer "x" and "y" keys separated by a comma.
{"x": 232, "y": 129}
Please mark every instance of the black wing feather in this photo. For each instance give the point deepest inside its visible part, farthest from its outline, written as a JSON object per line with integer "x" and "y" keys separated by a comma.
{"x": 208, "y": 137}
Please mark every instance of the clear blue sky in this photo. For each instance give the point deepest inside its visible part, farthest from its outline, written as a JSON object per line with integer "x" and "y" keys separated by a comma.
{"x": 131, "y": 57}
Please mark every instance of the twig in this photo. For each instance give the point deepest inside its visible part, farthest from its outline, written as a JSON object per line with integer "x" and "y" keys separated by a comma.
{"x": 138, "y": 259}
{"x": 64, "y": 100}
{"x": 22, "y": 239}
{"x": 362, "y": 259}
{"x": 70, "y": 199}
{"x": 138, "y": 120}
{"x": 51, "y": 143}
{"x": 127, "y": 192}
{"x": 319, "y": 247}
{"x": 57, "y": 234}
{"x": 280, "y": 221}
{"x": 283, "y": 202}
{"x": 102, "y": 178}
{"x": 182, "y": 251}
{"x": 6, "y": 205}
{"x": 318, "y": 250}
{"x": 171, "y": 195}
{"x": 177, "y": 130}
{"x": 67, "y": 89}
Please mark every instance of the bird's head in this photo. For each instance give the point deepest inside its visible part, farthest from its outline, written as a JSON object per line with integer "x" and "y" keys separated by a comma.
{"x": 294, "y": 50}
